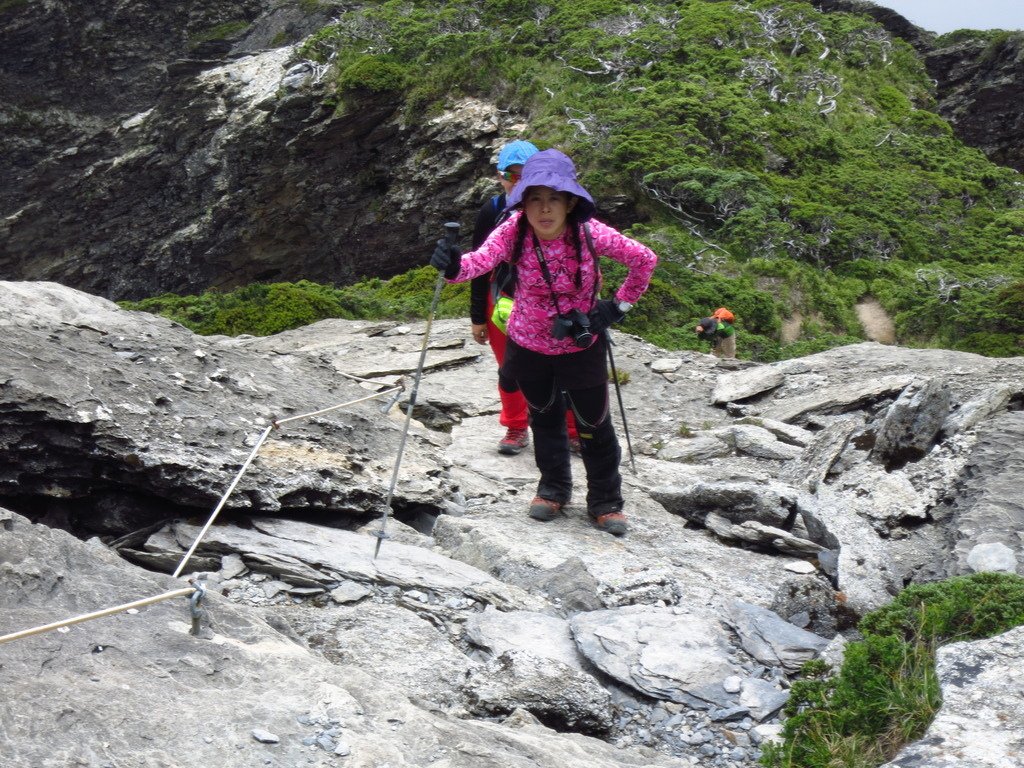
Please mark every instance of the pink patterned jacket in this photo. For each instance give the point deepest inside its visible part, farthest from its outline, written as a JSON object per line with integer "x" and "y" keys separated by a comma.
{"x": 534, "y": 310}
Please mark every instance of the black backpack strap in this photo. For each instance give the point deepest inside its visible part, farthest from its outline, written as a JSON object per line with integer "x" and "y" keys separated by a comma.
{"x": 597, "y": 266}
{"x": 590, "y": 239}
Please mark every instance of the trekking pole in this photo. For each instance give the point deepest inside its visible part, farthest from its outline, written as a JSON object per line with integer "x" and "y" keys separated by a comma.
{"x": 451, "y": 234}
{"x": 618, "y": 394}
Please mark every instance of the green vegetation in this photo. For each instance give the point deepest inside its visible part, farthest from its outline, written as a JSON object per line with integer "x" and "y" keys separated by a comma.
{"x": 223, "y": 31}
{"x": 372, "y": 73}
{"x": 782, "y": 160}
{"x": 10, "y": 5}
{"x": 887, "y": 692}
{"x": 263, "y": 309}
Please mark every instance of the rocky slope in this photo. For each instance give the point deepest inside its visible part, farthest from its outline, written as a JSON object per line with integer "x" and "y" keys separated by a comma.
{"x": 771, "y": 505}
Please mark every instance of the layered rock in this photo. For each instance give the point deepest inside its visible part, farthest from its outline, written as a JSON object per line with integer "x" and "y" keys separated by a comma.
{"x": 127, "y": 427}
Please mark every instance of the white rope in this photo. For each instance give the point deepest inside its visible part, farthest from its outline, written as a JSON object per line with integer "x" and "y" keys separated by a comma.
{"x": 223, "y": 499}
{"x": 96, "y": 614}
{"x": 322, "y": 411}
{"x": 259, "y": 444}
{"x": 213, "y": 516}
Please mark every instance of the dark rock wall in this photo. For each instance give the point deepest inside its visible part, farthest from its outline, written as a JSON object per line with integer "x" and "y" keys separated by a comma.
{"x": 981, "y": 92}
{"x": 130, "y": 171}
{"x": 979, "y": 82}
{"x": 66, "y": 66}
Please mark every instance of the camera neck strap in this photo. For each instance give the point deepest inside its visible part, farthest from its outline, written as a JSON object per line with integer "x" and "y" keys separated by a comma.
{"x": 579, "y": 270}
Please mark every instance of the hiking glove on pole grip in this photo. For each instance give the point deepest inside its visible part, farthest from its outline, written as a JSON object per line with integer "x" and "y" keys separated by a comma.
{"x": 604, "y": 315}
{"x": 447, "y": 258}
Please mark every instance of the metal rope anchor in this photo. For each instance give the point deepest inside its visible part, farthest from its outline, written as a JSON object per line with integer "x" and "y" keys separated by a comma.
{"x": 195, "y": 605}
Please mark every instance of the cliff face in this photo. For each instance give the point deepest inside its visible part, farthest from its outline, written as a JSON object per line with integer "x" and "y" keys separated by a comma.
{"x": 67, "y": 69}
{"x": 981, "y": 92}
{"x": 979, "y": 80}
{"x": 167, "y": 161}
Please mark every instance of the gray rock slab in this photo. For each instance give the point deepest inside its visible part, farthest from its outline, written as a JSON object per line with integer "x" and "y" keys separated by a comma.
{"x": 658, "y": 560}
{"x": 118, "y": 420}
{"x": 912, "y": 423}
{"x": 667, "y": 654}
{"x": 993, "y": 557}
{"x": 740, "y": 385}
{"x": 148, "y": 662}
{"x": 867, "y": 573}
{"x": 698, "y": 449}
{"x": 395, "y": 645}
{"x": 770, "y": 639}
{"x": 836, "y": 398}
{"x": 974, "y": 411}
{"x": 814, "y": 464}
{"x": 991, "y": 509}
{"x": 540, "y": 634}
{"x": 768, "y": 504}
{"x": 570, "y": 586}
{"x": 769, "y": 536}
{"x": 886, "y": 499}
{"x": 978, "y": 723}
{"x": 474, "y": 449}
{"x": 762, "y": 698}
{"x": 760, "y": 443}
{"x": 170, "y": 417}
{"x": 349, "y": 592}
{"x": 555, "y": 693}
{"x": 787, "y": 433}
{"x": 331, "y": 554}
{"x": 667, "y": 365}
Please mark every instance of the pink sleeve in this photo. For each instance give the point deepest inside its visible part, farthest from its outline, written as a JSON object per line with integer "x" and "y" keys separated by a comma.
{"x": 638, "y": 258}
{"x": 496, "y": 248}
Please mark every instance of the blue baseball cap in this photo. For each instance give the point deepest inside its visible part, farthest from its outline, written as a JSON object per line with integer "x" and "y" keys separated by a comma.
{"x": 515, "y": 153}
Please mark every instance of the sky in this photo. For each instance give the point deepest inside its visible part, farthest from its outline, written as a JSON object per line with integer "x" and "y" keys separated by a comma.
{"x": 943, "y": 16}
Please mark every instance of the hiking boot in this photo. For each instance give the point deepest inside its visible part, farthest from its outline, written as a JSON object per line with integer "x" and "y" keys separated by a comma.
{"x": 544, "y": 509}
{"x": 575, "y": 446}
{"x": 514, "y": 441}
{"x": 611, "y": 522}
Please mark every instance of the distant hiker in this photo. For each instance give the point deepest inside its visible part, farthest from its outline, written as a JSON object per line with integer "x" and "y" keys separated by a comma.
{"x": 555, "y": 352}
{"x": 719, "y": 331}
{"x": 495, "y": 289}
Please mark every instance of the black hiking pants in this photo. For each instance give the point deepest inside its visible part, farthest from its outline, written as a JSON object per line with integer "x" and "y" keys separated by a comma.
{"x": 551, "y": 384}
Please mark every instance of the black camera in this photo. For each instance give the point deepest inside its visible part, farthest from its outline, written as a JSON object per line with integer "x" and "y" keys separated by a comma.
{"x": 574, "y": 324}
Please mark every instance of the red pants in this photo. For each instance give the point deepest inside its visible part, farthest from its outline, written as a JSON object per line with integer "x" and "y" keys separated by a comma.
{"x": 514, "y": 413}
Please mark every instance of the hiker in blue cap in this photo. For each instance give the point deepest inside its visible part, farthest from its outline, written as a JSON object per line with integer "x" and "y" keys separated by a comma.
{"x": 491, "y": 296}
{"x": 555, "y": 353}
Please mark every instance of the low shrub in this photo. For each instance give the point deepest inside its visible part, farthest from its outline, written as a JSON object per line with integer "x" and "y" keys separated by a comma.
{"x": 373, "y": 73}
{"x": 887, "y": 692}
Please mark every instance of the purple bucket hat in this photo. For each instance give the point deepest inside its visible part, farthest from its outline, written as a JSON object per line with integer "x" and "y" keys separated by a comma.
{"x": 554, "y": 169}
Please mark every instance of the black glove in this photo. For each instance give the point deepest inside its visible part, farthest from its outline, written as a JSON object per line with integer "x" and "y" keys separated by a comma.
{"x": 446, "y": 258}
{"x": 604, "y": 315}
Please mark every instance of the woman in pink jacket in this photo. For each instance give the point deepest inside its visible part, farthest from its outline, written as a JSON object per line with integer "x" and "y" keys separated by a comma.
{"x": 556, "y": 351}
